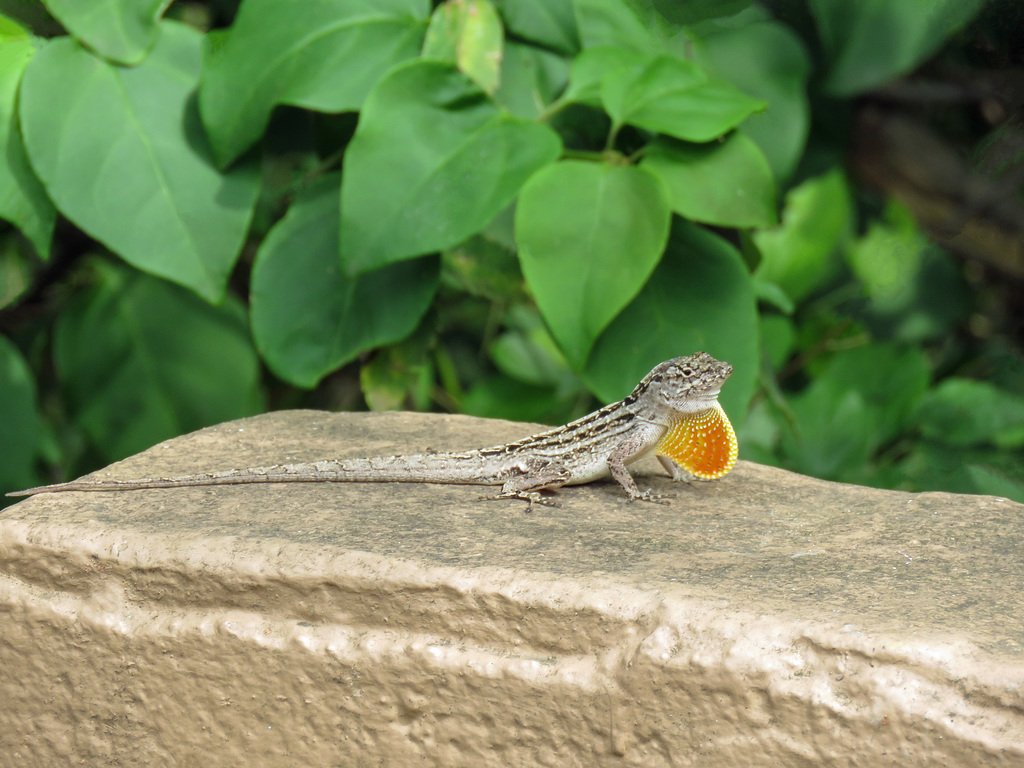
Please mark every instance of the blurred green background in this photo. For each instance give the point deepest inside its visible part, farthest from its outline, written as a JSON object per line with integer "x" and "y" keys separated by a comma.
{"x": 515, "y": 208}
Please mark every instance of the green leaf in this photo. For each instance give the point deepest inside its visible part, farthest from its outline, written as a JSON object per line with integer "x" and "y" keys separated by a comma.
{"x": 323, "y": 55}
{"x": 23, "y": 201}
{"x": 502, "y": 397}
{"x": 525, "y": 351}
{"x": 128, "y": 161}
{"x": 19, "y": 268}
{"x": 965, "y": 412}
{"x": 20, "y": 417}
{"x": 758, "y": 435}
{"x": 141, "y": 360}
{"x": 887, "y": 259}
{"x": 940, "y": 467}
{"x": 400, "y": 376}
{"x": 873, "y": 41}
{"x": 432, "y": 162}
{"x": 889, "y": 378}
{"x": 932, "y": 302}
{"x": 551, "y": 23}
{"x": 624, "y": 23}
{"x": 778, "y": 339}
{"x": 531, "y": 78}
{"x": 991, "y": 481}
{"x": 767, "y": 61}
{"x": 122, "y": 31}
{"x": 11, "y": 31}
{"x": 308, "y": 317}
{"x": 674, "y": 96}
{"x": 693, "y": 11}
{"x": 727, "y": 183}
{"x": 483, "y": 266}
{"x": 858, "y": 401}
{"x": 698, "y": 299}
{"x": 773, "y": 296}
{"x": 467, "y": 33}
{"x": 589, "y": 236}
{"x": 836, "y": 433}
{"x": 800, "y": 254}
{"x": 593, "y": 65}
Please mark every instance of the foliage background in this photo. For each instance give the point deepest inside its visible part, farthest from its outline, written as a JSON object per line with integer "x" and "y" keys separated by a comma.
{"x": 515, "y": 208}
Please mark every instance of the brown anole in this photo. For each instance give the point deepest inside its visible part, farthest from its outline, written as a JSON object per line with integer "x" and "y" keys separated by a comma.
{"x": 673, "y": 413}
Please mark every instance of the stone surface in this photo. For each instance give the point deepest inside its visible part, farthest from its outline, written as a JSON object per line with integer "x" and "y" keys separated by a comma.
{"x": 766, "y": 619}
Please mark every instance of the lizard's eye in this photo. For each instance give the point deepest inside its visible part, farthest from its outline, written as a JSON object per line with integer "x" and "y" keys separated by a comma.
{"x": 687, "y": 372}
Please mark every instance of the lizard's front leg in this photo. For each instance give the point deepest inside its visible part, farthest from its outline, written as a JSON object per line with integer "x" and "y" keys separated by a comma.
{"x": 639, "y": 441}
{"x": 677, "y": 473}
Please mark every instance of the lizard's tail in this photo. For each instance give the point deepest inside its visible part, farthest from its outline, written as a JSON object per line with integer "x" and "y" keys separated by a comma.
{"x": 278, "y": 474}
{"x": 377, "y": 470}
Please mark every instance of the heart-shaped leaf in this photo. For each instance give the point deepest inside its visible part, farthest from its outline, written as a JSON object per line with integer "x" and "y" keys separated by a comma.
{"x": 433, "y": 160}
{"x": 128, "y": 161}
{"x": 308, "y": 317}
{"x": 675, "y": 97}
{"x": 724, "y": 182}
{"x": 699, "y": 299}
{"x": 552, "y": 23}
{"x": 626, "y": 23}
{"x": 873, "y": 41}
{"x": 768, "y": 61}
{"x": 121, "y": 31}
{"x": 800, "y": 253}
{"x": 142, "y": 360}
{"x": 323, "y": 55}
{"x": 589, "y": 236}
{"x": 469, "y": 34}
{"x": 23, "y": 201}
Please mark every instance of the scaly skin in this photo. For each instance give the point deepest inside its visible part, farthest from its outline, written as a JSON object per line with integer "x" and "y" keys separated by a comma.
{"x": 673, "y": 412}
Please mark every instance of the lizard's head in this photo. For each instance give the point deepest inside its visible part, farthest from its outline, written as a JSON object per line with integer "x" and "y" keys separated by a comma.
{"x": 687, "y": 384}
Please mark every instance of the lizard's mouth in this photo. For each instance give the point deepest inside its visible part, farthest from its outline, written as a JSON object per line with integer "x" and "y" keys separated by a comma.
{"x": 703, "y": 443}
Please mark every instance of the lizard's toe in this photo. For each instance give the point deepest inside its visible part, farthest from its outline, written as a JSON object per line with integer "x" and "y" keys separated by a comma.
{"x": 654, "y": 498}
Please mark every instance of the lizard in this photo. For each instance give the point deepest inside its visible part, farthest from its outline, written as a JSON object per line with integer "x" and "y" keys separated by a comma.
{"x": 673, "y": 413}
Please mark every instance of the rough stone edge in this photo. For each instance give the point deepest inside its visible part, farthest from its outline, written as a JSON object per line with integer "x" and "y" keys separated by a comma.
{"x": 624, "y": 638}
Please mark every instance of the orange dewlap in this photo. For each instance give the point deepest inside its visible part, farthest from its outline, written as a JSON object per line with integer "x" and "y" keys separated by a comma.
{"x": 701, "y": 443}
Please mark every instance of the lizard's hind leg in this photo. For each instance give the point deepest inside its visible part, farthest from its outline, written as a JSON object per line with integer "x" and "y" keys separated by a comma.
{"x": 531, "y": 477}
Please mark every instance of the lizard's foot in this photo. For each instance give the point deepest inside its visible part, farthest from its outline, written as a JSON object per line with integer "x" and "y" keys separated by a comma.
{"x": 533, "y": 497}
{"x": 677, "y": 473}
{"x": 654, "y": 498}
